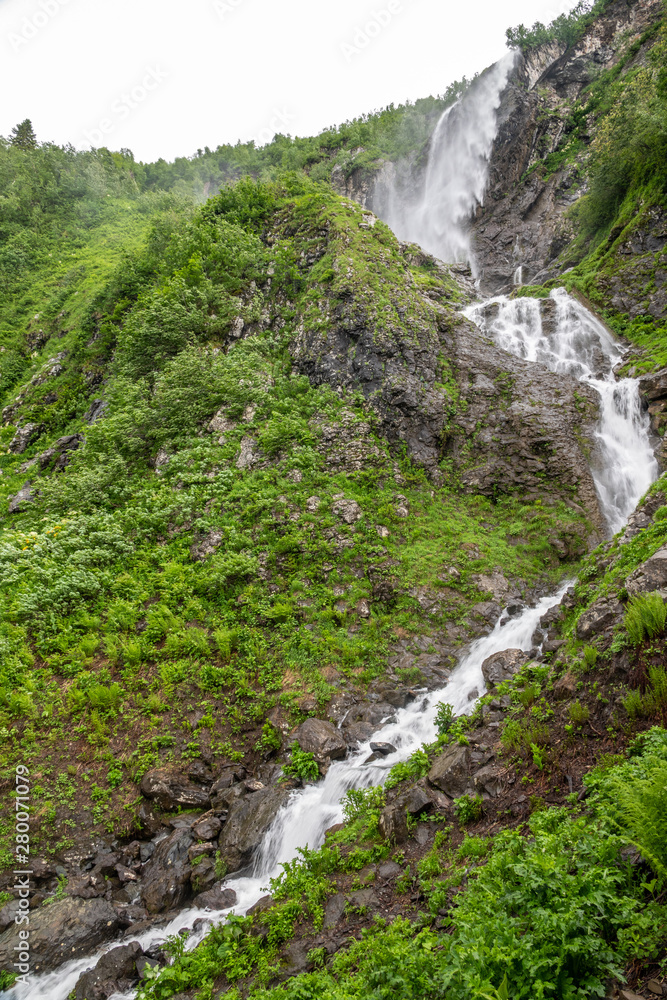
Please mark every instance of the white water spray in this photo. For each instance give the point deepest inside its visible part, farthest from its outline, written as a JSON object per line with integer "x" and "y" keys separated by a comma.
{"x": 565, "y": 337}
{"x": 457, "y": 172}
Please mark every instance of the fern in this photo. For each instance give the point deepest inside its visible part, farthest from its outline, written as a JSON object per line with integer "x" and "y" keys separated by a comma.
{"x": 645, "y": 617}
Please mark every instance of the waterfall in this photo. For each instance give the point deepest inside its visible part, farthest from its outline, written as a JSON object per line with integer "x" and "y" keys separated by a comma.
{"x": 456, "y": 173}
{"x": 563, "y": 336}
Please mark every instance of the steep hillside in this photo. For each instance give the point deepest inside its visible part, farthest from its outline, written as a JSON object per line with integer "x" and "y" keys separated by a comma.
{"x": 262, "y": 485}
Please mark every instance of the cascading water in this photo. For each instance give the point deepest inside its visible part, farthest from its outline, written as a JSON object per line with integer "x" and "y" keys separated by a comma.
{"x": 570, "y": 340}
{"x": 312, "y": 810}
{"x": 456, "y": 174}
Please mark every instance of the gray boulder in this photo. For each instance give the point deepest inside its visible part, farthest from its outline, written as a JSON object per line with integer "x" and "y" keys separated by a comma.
{"x": 501, "y": 666}
{"x": 171, "y": 789}
{"x": 115, "y": 972}
{"x": 488, "y": 780}
{"x": 20, "y": 501}
{"x": 321, "y": 739}
{"x": 24, "y": 437}
{"x": 62, "y": 931}
{"x": 451, "y": 772}
{"x": 650, "y": 576}
{"x": 598, "y": 618}
{"x": 249, "y": 819}
{"x": 217, "y": 898}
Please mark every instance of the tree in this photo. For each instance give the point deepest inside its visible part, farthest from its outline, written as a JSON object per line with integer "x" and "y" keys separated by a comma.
{"x": 23, "y": 135}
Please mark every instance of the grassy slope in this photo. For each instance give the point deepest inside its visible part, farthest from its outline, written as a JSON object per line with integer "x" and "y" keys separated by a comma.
{"x": 119, "y": 650}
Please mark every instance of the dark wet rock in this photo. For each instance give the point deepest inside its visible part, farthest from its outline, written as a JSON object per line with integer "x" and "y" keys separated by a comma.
{"x": 451, "y": 771}
{"x": 321, "y": 738}
{"x": 217, "y": 898}
{"x": 166, "y": 883}
{"x": 389, "y": 870}
{"x": 249, "y": 819}
{"x": 263, "y": 903}
{"x": 501, "y": 666}
{"x": 130, "y": 915}
{"x": 207, "y": 827}
{"x": 602, "y": 615}
{"x": 148, "y": 820}
{"x": 68, "y": 929}
{"x": 358, "y": 732}
{"x": 384, "y": 749}
{"x": 145, "y": 965}
{"x": 171, "y": 789}
{"x": 115, "y": 972}
{"x": 650, "y": 576}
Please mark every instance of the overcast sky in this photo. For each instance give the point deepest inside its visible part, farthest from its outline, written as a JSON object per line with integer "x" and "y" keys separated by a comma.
{"x": 166, "y": 77}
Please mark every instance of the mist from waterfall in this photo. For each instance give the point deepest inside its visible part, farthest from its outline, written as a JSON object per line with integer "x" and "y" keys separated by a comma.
{"x": 437, "y": 216}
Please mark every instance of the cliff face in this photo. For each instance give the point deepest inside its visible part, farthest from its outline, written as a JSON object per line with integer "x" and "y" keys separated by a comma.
{"x": 522, "y": 222}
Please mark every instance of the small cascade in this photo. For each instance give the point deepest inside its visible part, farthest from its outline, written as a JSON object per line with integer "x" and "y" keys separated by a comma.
{"x": 565, "y": 337}
{"x": 517, "y": 279}
{"x": 456, "y": 177}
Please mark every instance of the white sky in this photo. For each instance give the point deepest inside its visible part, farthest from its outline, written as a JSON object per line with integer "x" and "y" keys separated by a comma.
{"x": 165, "y": 78}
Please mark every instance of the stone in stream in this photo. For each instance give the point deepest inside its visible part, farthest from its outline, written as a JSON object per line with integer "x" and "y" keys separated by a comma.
{"x": 115, "y": 972}
{"x": 501, "y": 666}
{"x": 68, "y": 929}
{"x": 384, "y": 749}
{"x": 249, "y": 818}
{"x": 167, "y": 881}
{"x": 321, "y": 739}
{"x": 217, "y": 898}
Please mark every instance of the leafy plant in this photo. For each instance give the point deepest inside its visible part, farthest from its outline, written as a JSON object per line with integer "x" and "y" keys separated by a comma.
{"x": 301, "y": 765}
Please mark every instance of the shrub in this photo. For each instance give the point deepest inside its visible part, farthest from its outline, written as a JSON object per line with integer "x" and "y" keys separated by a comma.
{"x": 444, "y": 717}
{"x": 578, "y": 713}
{"x": 468, "y": 809}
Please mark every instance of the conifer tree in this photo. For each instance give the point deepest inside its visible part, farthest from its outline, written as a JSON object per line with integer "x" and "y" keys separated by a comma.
{"x": 23, "y": 135}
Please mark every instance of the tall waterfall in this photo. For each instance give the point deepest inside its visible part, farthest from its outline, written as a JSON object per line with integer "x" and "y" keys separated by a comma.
{"x": 565, "y": 337}
{"x": 457, "y": 172}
